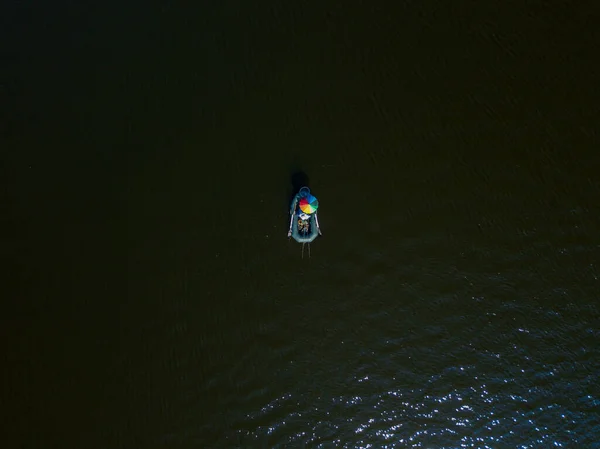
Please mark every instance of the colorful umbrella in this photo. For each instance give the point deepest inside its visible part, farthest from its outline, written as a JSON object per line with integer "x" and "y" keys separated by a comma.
{"x": 309, "y": 204}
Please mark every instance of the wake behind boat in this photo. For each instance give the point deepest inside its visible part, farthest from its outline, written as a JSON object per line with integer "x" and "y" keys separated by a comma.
{"x": 304, "y": 223}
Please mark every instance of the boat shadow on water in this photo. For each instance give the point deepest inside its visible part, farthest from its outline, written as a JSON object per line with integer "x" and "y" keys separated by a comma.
{"x": 298, "y": 180}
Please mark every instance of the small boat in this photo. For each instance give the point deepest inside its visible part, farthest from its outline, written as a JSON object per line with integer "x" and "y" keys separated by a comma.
{"x": 304, "y": 223}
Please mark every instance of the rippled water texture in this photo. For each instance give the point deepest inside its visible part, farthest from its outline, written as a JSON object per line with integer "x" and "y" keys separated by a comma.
{"x": 420, "y": 344}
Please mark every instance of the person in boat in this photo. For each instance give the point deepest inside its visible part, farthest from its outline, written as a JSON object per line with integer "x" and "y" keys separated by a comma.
{"x": 303, "y": 225}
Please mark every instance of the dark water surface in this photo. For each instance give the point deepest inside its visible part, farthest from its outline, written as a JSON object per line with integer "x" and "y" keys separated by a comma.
{"x": 153, "y": 300}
